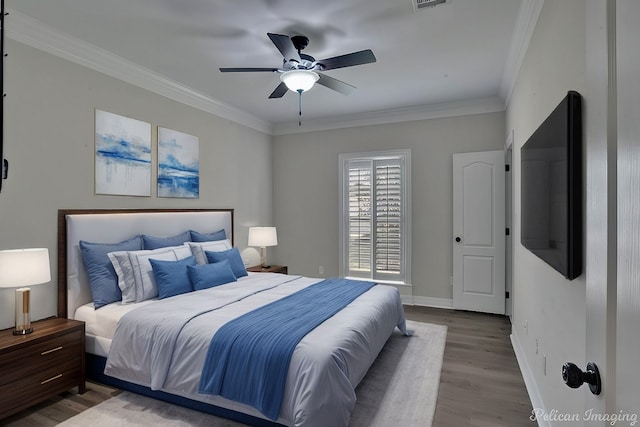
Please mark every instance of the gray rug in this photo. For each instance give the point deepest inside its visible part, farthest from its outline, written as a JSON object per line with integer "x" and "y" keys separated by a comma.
{"x": 400, "y": 390}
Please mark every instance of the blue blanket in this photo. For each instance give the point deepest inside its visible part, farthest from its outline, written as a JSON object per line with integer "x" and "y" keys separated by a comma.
{"x": 249, "y": 357}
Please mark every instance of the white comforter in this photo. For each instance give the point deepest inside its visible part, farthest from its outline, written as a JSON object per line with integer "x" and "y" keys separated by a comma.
{"x": 163, "y": 346}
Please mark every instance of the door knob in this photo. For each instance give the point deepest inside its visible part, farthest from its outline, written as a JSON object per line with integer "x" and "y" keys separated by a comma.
{"x": 458, "y": 239}
{"x": 574, "y": 377}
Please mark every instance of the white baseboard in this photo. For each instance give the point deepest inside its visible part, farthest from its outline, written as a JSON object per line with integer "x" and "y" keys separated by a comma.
{"x": 529, "y": 380}
{"x": 427, "y": 301}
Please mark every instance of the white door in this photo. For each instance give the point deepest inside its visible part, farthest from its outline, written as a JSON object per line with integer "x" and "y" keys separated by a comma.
{"x": 479, "y": 231}
{"x": 613, "y": 215}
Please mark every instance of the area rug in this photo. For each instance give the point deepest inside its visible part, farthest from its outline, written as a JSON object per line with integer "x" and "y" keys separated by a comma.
{"x": 400, "y": 390}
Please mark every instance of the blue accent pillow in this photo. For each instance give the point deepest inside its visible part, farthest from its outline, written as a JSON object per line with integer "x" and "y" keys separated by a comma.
{"x": 207, "y": 237}
{"x": 153, "y": 242}
{"x": 102, "y": 277}
{"x": 172, "y": 277}
{"x": 210, "y": 275}
{"x": 235, "y": 260}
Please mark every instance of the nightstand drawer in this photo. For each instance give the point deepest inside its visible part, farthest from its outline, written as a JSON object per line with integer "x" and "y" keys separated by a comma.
{"x": 39, "y": 365}
{"x": 39, "y": 357}
{"x": 27, "y": 390}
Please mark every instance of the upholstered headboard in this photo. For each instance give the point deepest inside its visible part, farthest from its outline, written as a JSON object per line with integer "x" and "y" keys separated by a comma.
{"x": 112, "y": 226}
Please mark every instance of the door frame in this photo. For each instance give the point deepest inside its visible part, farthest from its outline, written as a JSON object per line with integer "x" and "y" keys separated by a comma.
{"x": 601, "y": 218}
{"x": 508, "y": 222}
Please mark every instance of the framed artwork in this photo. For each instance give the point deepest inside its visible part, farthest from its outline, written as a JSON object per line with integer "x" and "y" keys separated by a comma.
{"x": 122, "y": 155}
{"x": 178, "y": 164}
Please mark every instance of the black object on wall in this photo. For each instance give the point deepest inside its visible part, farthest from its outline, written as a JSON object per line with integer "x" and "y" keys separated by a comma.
{"x": 551, "y": 189}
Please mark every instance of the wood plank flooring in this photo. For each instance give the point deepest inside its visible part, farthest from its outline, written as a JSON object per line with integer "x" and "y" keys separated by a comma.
{"x": 480, "y": 384}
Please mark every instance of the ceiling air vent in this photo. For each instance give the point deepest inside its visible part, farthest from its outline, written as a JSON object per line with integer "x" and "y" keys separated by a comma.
{"x": 422, "y": 4}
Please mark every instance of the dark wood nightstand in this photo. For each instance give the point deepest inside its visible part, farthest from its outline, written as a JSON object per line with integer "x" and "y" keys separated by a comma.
{"x": 40, "y": 365}
{"x": 283, "y": 269}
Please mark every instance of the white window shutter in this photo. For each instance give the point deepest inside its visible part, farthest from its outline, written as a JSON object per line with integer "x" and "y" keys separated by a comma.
{"x": 360, "y": 219}
{"x": 374, "y": 218}
{"x": 388, "y": 219}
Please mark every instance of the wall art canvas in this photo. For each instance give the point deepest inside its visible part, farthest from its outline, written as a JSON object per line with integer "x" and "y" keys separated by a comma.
{"x": 178, "y": 164}
{"x": 123, "y": 155}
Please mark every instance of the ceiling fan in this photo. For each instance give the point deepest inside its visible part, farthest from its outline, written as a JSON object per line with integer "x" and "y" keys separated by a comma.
{"x": 300, "y": 71}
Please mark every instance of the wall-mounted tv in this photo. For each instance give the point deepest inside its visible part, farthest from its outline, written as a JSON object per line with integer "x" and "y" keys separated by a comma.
{"x": 551, "y": 189}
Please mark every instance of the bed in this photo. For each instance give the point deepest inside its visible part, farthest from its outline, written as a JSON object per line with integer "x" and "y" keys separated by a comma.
{"x": 325, "y": 366}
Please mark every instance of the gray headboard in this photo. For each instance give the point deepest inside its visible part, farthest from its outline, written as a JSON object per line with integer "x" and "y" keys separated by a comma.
{"x": 112, "y": 226}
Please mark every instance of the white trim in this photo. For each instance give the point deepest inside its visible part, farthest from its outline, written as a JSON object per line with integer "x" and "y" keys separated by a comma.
{"x": 529, "y": 379}
{"x": 36, "y": 34}
{"x": 509, "y": 195}
{"x": 434, "y": 111}
{"x": 433, "y": 302}
{"x": 522, "y": 33}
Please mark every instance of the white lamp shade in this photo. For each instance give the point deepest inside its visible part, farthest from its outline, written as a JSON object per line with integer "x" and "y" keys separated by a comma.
{"x": 299, "y": 80}
{"x": 24, "y": 267}
{"x": 263, "y": 236}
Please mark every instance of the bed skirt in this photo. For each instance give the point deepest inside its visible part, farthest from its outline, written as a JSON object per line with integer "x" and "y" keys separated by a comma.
{"x": 95, "y": 372}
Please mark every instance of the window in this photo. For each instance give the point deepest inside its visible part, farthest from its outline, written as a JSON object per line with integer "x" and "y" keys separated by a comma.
{"x": 375, "y": 216}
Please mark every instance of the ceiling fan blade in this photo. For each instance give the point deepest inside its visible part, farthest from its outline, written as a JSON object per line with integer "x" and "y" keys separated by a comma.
{"x": 348, "y": 60}
{"x": 335, "y": 84}
{"x": 285, "y": 46}
{"x": 247, "y": 70}
{"x": 279, "y": 91}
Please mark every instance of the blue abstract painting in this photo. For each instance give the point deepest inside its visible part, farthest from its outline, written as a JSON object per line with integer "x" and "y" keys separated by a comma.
{"x": 123, "y": 155}
{"x": 178, "y": 164}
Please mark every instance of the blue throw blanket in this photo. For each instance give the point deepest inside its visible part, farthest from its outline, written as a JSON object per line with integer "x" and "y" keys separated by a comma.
{"x": 249, "y": 357}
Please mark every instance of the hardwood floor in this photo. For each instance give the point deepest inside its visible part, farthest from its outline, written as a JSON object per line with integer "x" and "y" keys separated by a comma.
{"x": 480, "y": 384}
{"x": 60, "y": 408}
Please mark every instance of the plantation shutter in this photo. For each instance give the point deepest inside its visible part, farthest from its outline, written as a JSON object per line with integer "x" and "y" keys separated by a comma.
{"x": 360, "y": 219}
{"x": 388, "y": 232}
{"x": 375, "y": 224}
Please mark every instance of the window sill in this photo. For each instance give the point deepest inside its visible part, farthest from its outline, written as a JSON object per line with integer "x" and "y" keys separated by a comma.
{"x": 382, "y": 282}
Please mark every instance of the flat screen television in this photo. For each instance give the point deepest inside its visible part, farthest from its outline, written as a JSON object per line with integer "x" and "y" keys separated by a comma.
{"x": 551, "y": 189}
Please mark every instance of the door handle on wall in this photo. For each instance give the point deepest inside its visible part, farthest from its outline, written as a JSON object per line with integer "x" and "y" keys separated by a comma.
{"x": 458, "y": 239}
{"x": 574, "y": 377}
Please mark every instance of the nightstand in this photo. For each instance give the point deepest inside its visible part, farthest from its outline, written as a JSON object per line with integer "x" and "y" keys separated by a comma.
{"x": 40, "y": 365}
{"x": 283, "y": 269}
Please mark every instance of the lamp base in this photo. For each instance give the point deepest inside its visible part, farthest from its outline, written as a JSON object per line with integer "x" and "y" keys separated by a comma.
{"x": 23, "y": 315}
{"x": 263, "y": 257}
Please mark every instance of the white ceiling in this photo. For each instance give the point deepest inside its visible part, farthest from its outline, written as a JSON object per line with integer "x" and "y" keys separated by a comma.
{"x": 465, "y": 52}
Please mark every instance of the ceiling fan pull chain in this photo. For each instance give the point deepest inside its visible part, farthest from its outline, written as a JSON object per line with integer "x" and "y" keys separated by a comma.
{"x": 299, "y": 107}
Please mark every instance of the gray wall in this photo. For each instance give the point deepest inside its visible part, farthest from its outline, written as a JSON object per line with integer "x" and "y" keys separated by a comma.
{"x": 305, "y": 177}
{"x": 552, "y": 308}
{"x": 49, "y": 142}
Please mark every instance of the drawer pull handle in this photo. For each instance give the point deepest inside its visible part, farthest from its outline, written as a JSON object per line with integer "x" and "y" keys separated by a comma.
{"x": 51, "y": 379}
{"x": 44, "y": 353}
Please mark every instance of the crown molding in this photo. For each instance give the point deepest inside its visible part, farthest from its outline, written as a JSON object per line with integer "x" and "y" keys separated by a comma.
{"x": 36, "y": 34}
{"x": 434, "y": 111}
{"x": 522, "y": 33}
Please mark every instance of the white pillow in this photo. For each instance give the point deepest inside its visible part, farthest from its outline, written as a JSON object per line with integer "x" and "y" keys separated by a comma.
{"x": 135, "y": 275}
{"x": 124, "y": 271}
{"x": 198, "y": 248}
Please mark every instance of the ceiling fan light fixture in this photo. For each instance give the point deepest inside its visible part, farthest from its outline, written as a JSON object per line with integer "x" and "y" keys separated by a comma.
{"x": 299, "y": 80}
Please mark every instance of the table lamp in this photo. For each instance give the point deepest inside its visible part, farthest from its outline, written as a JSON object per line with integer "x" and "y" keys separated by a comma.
{"x": 20, "y": 268}
{"x": 263, "y": 237}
